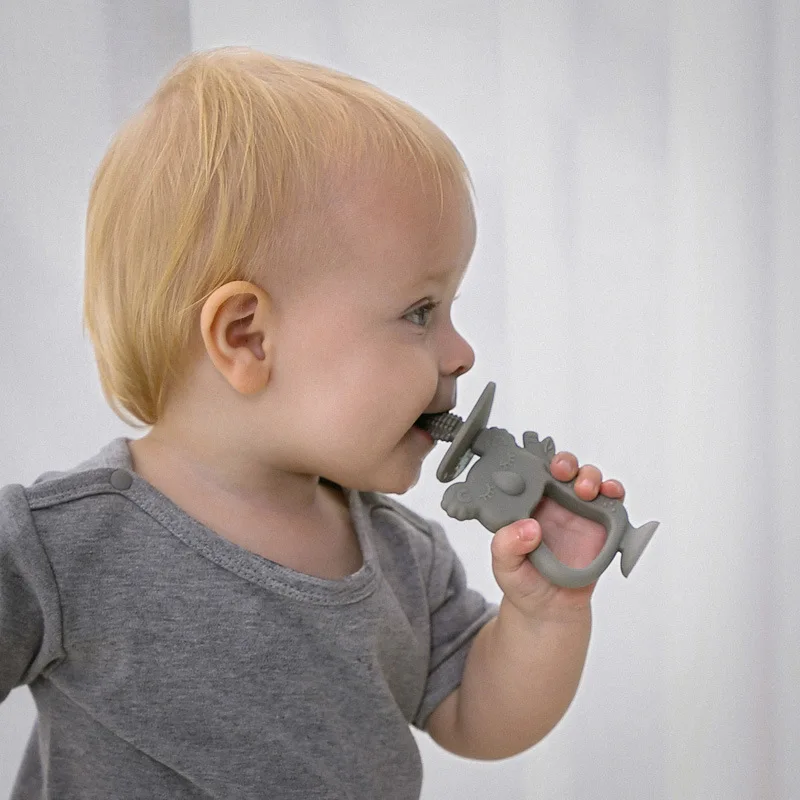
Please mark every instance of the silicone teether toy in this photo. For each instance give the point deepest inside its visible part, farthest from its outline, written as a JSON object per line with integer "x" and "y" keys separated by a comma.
{"x": 507, "y": 483}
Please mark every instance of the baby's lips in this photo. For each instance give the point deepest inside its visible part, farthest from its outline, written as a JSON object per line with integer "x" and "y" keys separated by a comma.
{"x": 426, "y": 417}
{"x": 443, "y": 402}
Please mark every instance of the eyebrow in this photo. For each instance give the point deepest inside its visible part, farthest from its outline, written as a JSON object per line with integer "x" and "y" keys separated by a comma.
{"x": 441, "y": 276}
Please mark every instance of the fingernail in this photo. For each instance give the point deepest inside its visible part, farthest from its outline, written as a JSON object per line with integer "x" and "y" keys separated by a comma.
{"x": 527, "y": 532}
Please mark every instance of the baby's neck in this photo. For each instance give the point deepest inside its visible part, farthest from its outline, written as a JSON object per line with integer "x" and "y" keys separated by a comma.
{"x": 314, "y": 536}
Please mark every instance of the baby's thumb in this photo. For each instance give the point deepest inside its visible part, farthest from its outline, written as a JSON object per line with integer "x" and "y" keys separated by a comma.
{"x": 511, "y": 544}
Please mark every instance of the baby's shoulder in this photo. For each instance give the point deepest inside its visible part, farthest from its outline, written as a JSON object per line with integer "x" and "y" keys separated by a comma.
{"x": 69, "y": 503}
{"x": 393, "y": 510}
{"x": 402, "y": 532}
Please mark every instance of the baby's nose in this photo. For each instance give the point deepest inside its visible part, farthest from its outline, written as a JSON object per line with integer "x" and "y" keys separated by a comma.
{"x": 459, "y": 358}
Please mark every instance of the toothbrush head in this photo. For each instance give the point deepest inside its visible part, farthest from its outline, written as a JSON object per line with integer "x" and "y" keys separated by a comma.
{"x": 459, "y": 454}
{"x": 441, "y": 427}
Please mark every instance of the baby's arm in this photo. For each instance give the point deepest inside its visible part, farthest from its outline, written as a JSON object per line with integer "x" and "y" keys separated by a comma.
{"x": 30, "y": 613}
{"x": 519, "y": 679}
{"x": 523, "y": 668}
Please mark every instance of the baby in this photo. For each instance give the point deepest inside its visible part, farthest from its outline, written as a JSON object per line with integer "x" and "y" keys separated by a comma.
{"x": 230, "y": 606}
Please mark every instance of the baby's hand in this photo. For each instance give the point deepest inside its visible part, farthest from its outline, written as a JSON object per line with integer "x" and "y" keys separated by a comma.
{"x": 573, "y": 539}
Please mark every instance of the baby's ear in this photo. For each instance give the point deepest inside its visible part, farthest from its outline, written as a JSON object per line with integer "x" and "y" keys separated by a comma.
{"x": 236, "y": 324}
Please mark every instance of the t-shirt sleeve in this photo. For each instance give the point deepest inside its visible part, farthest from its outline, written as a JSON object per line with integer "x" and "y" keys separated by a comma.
{"x": 30, "y": 613}
{"x": 457, "y": 614}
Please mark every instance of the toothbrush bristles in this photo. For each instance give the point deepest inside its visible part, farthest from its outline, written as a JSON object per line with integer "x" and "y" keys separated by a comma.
{"x": 441, "y": 427}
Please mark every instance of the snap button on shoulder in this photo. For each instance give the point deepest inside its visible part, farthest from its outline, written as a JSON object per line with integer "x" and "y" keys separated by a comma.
{"x": 120, "y": 479}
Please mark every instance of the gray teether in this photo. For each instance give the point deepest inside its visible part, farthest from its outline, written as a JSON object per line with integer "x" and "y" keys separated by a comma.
{"x": 507, "y": 483}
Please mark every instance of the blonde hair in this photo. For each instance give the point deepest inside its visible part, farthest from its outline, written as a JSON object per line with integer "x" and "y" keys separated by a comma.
{"x": 199, "y": 188}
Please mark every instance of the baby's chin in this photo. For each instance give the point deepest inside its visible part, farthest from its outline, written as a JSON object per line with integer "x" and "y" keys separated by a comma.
{"x": 405, "y": 486}
{"x": 390, "y": 482}
{"x": 393, "y": 486}
{"x": 388, "y": 469}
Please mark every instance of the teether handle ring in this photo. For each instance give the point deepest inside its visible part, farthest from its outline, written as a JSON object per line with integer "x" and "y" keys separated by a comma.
{"x": 603, "y": 510}
{"x": 532, "y": 465}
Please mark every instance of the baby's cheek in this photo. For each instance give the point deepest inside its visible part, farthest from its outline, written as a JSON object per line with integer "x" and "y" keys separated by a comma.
{"x": 421, "y": 376}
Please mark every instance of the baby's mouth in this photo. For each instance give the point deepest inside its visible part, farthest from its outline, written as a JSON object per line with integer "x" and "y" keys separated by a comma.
{"x": 443, "y": 402}
{"x": 421, "y": 422}
{"x": 441, "y": 426}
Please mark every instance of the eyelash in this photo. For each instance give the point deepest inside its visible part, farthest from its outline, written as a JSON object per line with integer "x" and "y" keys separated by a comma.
{"x": 427, "y": 308}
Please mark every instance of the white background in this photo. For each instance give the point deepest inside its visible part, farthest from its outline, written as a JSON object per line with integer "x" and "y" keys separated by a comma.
{"x": 634, "y": 294}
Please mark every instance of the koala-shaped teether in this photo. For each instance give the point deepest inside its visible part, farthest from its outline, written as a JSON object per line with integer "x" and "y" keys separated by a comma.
{"x": 507, "y": 483}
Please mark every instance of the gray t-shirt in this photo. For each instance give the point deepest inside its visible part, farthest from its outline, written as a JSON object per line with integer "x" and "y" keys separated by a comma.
{"x": 168, "y": 662}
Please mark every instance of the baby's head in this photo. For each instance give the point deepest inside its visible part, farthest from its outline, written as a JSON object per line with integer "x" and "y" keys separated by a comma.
{"x": 272, "y": 252}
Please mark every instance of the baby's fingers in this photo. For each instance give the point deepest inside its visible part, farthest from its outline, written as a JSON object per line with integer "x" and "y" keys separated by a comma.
{"x": 613, "y": 489}
{"x": 564, "y": 466}
{"x": 511, "y": 545}
{"x": 588, "y": 478}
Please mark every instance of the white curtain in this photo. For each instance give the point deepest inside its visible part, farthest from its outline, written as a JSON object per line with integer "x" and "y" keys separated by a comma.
{"x": 634, "y": 294}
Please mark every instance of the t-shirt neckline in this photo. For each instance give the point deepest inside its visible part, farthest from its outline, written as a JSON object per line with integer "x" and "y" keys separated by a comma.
{"x": 237, "y": 559}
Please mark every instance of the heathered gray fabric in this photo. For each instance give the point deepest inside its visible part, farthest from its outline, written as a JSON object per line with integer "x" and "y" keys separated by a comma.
{"x": 167, "y": 662}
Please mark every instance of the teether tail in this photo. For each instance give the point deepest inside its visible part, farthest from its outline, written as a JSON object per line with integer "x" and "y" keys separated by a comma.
{"x": 507, "y": 483}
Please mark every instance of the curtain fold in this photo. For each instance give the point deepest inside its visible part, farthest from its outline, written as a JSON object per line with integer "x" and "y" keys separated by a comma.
{"x": 782, "y": 438}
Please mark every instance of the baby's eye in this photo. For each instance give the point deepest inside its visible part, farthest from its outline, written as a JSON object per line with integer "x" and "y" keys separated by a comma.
{"x": 421, "y": 315}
